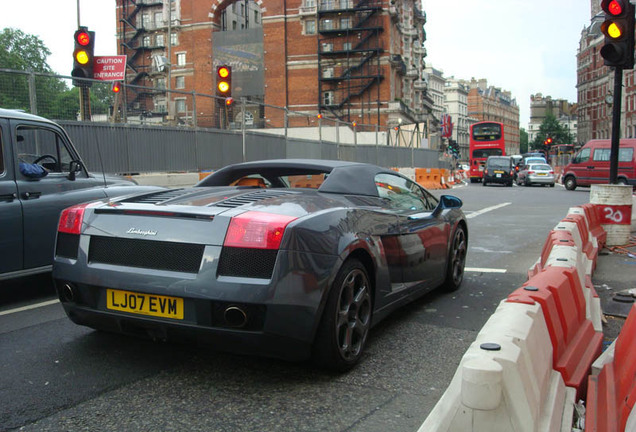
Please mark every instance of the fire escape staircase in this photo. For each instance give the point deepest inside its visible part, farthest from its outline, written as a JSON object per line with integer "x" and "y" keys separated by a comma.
{"x": 359, "y": 73}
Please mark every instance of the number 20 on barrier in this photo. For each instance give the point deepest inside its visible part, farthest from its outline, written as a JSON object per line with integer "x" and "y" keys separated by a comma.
{"x": 615, "y": 214}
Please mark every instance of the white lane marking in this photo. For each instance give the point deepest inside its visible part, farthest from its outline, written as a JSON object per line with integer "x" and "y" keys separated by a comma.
{"x": 486, "y": 210}
{"x": 29, "y": 307}
{"x": 484, "y": 270}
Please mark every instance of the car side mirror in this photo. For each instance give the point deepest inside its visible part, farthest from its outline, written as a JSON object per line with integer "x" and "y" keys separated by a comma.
{"x": 450, "y": 202}
{"x": 74, "y": 167}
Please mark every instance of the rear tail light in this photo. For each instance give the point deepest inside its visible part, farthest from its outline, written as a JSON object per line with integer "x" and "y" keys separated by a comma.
{"x": 552, "y": 172}
{"x": 71, "y": 219}
{"x": 257, "y": 230}
{"x": 530, "y": 172}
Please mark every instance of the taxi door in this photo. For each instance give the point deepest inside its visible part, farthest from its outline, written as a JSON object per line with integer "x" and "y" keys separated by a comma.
{"x": 44, "y": 198}
{"x": 11, "y": 245}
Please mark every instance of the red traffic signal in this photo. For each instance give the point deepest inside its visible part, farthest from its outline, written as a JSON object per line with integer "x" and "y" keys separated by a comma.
{"x": 83, "y": 56}
{"x": 116, "y": 87}
{"x": 618, "y": 29}
{"x": 229, "y": 101}
{"x": 224, "y": 81}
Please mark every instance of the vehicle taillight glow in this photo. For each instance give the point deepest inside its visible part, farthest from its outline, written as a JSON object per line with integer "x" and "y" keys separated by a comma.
{"x": 71, "y": 219}
{"x": 552, "y": 172}
{"x": 257, "y": 230}
{"x": 530, "y": 172}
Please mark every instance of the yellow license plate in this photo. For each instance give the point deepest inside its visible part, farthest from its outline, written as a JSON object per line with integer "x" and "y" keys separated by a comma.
{"x": 145, "y": 304}
{"x": 541, "y": 174}
{"x": 498, "y": 172}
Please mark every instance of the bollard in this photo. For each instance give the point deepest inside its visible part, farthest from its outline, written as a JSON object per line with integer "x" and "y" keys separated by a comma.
{"x": 614, "y": 208}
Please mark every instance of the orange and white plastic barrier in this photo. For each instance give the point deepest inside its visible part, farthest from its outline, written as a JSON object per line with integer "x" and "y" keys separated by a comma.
{"x": 532, "y": 359}
{"x": 611, "y": 395}
{"x": 505, "y": 381}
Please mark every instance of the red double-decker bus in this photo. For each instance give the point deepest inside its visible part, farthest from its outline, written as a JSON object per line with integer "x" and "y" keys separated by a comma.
{"x": 486, "y": 139}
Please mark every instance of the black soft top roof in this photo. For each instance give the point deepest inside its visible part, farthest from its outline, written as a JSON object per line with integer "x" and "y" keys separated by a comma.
{"x": 343, "y": 177}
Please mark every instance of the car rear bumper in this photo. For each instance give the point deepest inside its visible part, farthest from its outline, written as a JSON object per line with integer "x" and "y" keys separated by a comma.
{"x": 207, "y": 331}
{"x": 541, "y": 179}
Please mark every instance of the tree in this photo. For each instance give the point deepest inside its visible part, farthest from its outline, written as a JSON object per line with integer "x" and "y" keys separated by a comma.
{"x": 523, "y": 141}
{"x": 551, "y": 128}
{"x": 23, "y": 52}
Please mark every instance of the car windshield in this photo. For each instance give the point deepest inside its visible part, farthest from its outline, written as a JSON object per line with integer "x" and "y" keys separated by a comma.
{"x": 541, "y": 167}
{"x": 499, "y": 163}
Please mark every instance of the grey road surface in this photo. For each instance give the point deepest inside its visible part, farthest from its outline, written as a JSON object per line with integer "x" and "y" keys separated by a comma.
{"x": 59, "y": 376}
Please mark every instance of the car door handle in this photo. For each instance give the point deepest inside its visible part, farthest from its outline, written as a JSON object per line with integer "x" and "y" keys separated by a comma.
{"x": 29, "y": 195}
{"x": 590, "y": 167}
{"x": 8, "y": 197}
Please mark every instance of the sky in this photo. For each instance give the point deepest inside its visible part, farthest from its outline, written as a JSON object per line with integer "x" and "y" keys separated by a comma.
{"x": 523, "y": 46}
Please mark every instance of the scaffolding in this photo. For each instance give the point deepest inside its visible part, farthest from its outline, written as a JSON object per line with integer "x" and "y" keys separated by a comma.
{"x": 349, "y": 55}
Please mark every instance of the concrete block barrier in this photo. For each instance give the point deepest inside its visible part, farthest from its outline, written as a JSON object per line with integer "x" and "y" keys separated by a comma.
{"x": 505, "y": 381}
{"x": 574, "y": 341}
{"x": 611, "y": 395}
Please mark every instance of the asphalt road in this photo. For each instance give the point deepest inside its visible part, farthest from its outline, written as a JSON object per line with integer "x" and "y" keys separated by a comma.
{"x": 56, "y": 375}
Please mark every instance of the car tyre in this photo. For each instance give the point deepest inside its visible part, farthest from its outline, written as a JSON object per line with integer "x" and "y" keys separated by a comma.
{"x": 526, "y": 183}
{"x": 551, "y": 184}
{"x": 456, "y": 260}
{"x": 570, "y": 183}
{"x": 346, "y": 319}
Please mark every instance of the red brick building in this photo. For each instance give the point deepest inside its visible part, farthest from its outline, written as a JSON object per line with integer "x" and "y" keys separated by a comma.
{"x": 488, "y": 103}
{"x": 595, "y": 85}
{"x": 354, "y": 60}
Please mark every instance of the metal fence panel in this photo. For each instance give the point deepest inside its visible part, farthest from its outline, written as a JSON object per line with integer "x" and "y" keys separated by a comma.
{"x": 261, "y": 146}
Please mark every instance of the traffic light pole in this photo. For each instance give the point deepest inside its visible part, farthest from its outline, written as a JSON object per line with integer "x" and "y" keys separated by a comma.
{"x": 85, "y": 103}
{"x": 616, "y": 124}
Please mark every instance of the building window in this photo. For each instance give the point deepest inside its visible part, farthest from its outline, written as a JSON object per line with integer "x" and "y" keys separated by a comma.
{"x": 327, "y": 72}
{"x": 233, "y": 25}
{"x": 158, "y": 19}
{"x": 179, "y": 82}
{"x": 159, "y": 40}
{"x": 146, "y": 41}
{"x": 180, "y": 105}
{"x": 174, "y": 40}
{"x": 345, "y": 23}
{"x": 160, "y": 83}
{"x": 327, "y": 98}
{"x": 346, "y": 46}
{"x": 327, "y": 47}
{"x": 181, "y": 59}
{"x": 256, "y": 16}
{"x": 145, "y": 21}
{"x": 326, "y": 24}
{"x": 310, "y": 27}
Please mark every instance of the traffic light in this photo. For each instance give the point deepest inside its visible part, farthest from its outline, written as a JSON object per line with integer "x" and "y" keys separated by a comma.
{"x": 83, "y": 55}
{"x": 116, "y": 87}
{"x": 618, "y": 29}
{"x": 224, "y": 81}
{"x": 229, "y": 101}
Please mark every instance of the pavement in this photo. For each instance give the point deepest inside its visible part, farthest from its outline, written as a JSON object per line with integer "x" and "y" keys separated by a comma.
{"x": 615, "y": 282}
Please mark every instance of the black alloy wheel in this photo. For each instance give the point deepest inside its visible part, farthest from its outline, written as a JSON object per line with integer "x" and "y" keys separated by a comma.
{"x": 456, "y": 260}
{"x": 570, "y": 183}
{"x": 346, "y": 320}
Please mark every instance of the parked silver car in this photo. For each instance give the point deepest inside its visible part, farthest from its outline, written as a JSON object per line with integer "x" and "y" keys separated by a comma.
{"x": 539, "y": 173}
